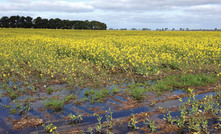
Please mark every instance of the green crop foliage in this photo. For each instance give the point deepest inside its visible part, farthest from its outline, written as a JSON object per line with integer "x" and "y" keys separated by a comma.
{"x": 185, "y": 80}
{"x": 99, "y": 125}
{"x": 68, "y": 98}
{"x": 150, "y": 123}
{"x": 132, "y": 123}
{"x": 49, "y": 128}
{"x": 109, "y": 119}
{"x": 194, "y": 113}
{"x": 91, "y": 57}
{"x": 49, "y": 90}
{"x": 55, "y": 104}
{"x": 137, "y": 93}
{"x": 75, "y": 118}
{"x": 115, "y": 90}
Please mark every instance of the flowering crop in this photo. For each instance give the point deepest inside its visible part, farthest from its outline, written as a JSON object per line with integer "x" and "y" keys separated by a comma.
{"x": 89, "y": 56}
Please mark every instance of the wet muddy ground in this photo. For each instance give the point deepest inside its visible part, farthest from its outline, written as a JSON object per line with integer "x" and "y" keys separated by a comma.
{"x": 27, "y": 112}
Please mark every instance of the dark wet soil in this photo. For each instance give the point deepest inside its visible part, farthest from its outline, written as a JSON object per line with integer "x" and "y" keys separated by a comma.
{"x": 27, "y": 122}
{"x": 121, "y": 104}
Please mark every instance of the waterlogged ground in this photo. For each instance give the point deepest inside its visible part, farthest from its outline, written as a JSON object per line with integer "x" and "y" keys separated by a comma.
{"x": 26, "y": 113}
{"x": 84, "y": 81}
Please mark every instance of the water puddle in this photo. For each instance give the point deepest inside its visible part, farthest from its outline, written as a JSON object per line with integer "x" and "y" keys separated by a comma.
{"x": 117, "y": 99}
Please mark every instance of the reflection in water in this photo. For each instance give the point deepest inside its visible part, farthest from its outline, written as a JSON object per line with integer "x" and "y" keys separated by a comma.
{"x": 61, "y": 91}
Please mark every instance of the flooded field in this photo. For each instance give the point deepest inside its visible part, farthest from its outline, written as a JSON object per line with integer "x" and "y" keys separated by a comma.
{"x": 81, "y": 109}
{"x": 78, "y": 81}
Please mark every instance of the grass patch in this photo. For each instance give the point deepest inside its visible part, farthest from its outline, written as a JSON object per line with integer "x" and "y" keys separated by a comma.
{"x": 101, "y": 95}
{"x": 55, "y": 104}
{"x": 137, "y": 93}
{"x": 115, "y": 90}
{"x": 87, "y": 92}
{"x": 68, "y": 98}
{"x": 13, "y": 95}
{"x": 196, "y": 80}
{"x": 96, "y": 95}
{"x": 49, "y": 90}
{"x": 185, "y": 80}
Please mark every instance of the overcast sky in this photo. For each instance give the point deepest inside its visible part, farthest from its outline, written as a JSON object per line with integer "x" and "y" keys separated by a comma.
{"x": 123, "y": 13}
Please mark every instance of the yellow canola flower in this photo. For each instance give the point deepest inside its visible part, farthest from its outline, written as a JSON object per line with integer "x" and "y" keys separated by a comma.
{"x": 4, "y": 75}
{"x": 65, "y": 52}
{"x": 191, "y": 90}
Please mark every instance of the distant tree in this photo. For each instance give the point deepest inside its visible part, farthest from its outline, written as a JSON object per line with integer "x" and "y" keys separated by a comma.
{"x": 173, "y": 29}
{"x": 133, "y": 29}
{"x": 38, "y": 22}
{"x": 67, "y": 24}
{"x": 5, "y": 22}
{"x": 123, "y": 29}
{"x": 44, "y": 23}
{"x": 21, "y": 22}
{"x": 12, "y": 21}
{"x": 145, "y": 29}
{"x": 80, "y": 25}
{"x": 103, "y": 26}
{"x": 41, "y": 23}
{"x": 18, "y": 21}
{"x": 96, "y": 25}
{"x": 58, "y": 23}
{"x": 87, "y": 24}
{"x": 52, "y": 24}
{"x": 110, "y": 29}
{"x": 216, "y": 29}
{"x": 28, "y": 21}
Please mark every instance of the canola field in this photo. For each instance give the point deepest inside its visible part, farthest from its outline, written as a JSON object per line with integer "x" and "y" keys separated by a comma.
{"x": 76, "y": 81}
{"x": 72, "y": 56}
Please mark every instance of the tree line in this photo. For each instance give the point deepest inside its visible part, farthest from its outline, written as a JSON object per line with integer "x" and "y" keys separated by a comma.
{"x": 29, "y": 22}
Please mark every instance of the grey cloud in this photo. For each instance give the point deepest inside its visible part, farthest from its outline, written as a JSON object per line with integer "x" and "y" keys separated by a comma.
{"x": 11, "y": 13}
{"x": 204, "y": 9}
{"x": 19, "y": 1}
{"x": 137, "y": 5}
{"x": 107, "y": 6}
{"x": 125, "y": 13}
{"x": 163, "y": 13}
{"x": 169, "y": 19}
{"x": 47, "y": 6}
